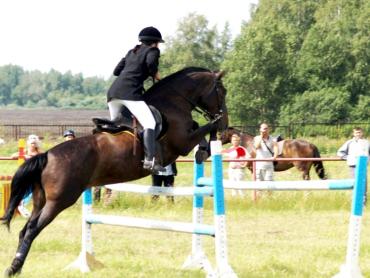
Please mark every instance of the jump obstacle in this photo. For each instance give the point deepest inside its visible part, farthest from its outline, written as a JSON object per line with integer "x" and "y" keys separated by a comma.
{"x": 197, "y": 259}
{"x": 205, "y": 186}
{"x": 351, "y": 268}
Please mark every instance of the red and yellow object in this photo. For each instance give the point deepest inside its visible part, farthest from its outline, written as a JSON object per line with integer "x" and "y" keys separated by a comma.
{"x": 21, "y": 151}
{"x": 4, "y": 197}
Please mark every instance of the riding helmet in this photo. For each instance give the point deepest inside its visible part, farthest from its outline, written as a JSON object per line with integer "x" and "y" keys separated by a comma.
{"x": 150, "y": 34}
{"x": 69, "y": 132}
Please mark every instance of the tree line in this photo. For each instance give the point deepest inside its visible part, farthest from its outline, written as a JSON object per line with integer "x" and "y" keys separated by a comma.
{"x": 294, "y": 61}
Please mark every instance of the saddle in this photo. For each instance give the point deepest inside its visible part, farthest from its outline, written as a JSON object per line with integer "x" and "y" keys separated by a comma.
{"x": 125, "y": 122}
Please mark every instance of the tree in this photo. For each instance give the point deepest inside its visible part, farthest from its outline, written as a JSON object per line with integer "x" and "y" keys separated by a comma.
{"x": 195, "y": 44}
{"x": 261, "y": 66}
{"x": 325, "y": 106}
{"x": 10, "y": 77}
{"x": 257, "y": 73}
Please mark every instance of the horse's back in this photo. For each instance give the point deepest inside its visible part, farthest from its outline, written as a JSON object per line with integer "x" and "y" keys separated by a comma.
{"x": 297, "y": 148}
{"x": 96, "y": 159}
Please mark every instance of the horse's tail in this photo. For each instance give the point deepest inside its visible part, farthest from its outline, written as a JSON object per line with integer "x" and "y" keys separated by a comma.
{"x": 319, "y": 166}
{"x": 24, "y": 180}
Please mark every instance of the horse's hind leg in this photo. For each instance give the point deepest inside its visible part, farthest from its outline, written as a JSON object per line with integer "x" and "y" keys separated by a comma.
{"x": 33, "y": 227}
{"x": 38, "y": 202}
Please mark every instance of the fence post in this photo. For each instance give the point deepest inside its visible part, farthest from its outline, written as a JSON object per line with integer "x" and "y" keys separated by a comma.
{"x": 21, "y": 151}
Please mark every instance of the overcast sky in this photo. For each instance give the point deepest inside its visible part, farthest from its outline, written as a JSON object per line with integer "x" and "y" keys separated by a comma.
{"x": 91, "y": 36}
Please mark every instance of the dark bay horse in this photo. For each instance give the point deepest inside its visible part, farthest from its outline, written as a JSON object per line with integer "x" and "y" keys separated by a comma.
{"x": 289, "y": 148}
{"x": 59, "y": 176}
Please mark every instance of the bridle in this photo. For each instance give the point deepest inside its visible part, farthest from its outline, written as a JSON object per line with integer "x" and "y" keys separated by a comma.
{"x": 210, "y": 117}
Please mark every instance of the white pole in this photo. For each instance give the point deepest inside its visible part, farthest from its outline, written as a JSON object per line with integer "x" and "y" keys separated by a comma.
{"x": 223, "y": 267}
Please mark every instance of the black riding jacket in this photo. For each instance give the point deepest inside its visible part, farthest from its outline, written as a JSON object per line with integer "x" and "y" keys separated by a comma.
{"x": 138, "y": 64}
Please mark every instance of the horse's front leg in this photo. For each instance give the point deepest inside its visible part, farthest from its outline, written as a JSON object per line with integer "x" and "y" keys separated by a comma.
{"x": 305, "y": 169}
{"x": 204, "y": 150}
{"x": 195, "y": 137}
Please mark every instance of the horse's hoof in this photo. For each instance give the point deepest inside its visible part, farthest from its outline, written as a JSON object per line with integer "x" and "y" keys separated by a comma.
{"x": 201, "y": 156}
{"x": 9, "y": 272}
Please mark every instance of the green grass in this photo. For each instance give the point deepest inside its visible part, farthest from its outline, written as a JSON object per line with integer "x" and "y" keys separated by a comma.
{"x": 287, "y": 234}
{"x": 284, "y": 234}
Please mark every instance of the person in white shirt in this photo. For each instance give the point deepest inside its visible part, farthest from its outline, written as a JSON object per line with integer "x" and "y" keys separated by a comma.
{"x": 353, "y": 148}
{"x": 236, "y": 171}
{"x": 265, "y": 147}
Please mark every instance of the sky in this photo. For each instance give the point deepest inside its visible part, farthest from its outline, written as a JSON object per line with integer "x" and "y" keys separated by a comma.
{"x": 91, "y": 36}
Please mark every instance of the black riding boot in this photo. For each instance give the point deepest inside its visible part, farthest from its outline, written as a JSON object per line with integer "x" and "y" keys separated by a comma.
{"x": 149, "y": 148}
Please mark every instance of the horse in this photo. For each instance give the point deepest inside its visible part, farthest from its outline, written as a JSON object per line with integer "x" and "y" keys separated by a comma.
{"x": 58, "y": 177}
{"x": 290, "y": 148}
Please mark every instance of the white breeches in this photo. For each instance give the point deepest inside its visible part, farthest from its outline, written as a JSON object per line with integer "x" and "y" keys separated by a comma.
{"x": 138, "y": 108}
{"x": 236, "y": 174}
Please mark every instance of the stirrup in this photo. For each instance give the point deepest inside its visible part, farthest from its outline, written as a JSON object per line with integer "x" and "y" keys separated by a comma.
{"x": 153, "y": 166}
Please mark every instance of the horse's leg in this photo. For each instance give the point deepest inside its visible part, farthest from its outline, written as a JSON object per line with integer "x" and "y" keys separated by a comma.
{"x": 36, "y": 224}
{"x": 306, "y": 170}
{"x": 32, "y": 228}
{"x": 38, "y": 202}
{"x": 197, "y": 136}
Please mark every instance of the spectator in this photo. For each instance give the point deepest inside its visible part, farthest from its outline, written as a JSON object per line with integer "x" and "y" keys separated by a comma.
{"x": 352, "y": 149}
{"x": 33, "y": 148}
{"x": 265, "y": 147}
{"x": 236, "y": 169}
{"x": 167, "y": 178}
{"x": 69, "y": 135}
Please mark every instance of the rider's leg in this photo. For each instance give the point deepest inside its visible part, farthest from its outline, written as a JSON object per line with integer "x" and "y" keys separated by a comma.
{"x": 145, "y": 117}
{"x": 115, "y": 106}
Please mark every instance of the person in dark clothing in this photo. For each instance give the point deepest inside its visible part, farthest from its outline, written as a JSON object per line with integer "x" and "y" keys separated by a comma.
{"x": 69, "y": 134}
{"x": 167, "y": 178}
{"x": 139, "y": 64}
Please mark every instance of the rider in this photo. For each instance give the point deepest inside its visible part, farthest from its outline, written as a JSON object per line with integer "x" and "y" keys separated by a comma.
{"x": 140, "y": 63}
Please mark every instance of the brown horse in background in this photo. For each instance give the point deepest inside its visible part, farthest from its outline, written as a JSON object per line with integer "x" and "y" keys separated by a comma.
{"x": 290, "y": 148}
{"x": 58, "y": 177}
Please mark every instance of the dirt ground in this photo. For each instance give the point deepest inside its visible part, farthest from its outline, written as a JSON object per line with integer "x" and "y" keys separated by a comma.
{"x": 19, "y": 123}
{"x": 52, "y": 116}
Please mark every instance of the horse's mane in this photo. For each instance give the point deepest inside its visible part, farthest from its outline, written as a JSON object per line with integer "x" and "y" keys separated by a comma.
{"x": 172, "y": 77}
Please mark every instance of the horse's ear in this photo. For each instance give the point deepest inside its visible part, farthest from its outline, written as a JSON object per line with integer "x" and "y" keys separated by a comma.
{"x": 219, "y": 74}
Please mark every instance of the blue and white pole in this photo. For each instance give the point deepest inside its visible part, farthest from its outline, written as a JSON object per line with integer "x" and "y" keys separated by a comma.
{"x": 197, "y": 259}
{"x": 351, "y": 268}
{"x": 223, "y": 267}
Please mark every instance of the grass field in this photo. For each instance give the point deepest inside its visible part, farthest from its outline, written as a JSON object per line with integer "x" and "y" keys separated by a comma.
{"x": 285, "y": 234}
